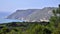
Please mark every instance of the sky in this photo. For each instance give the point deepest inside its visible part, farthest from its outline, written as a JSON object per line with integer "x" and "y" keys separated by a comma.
{"x": 10, "y": 6}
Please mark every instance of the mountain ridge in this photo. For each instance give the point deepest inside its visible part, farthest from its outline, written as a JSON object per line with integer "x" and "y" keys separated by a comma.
{"x": 32, "y": 14}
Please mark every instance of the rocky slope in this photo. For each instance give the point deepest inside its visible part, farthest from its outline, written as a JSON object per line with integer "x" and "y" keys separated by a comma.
{"x": 32, "y": 14}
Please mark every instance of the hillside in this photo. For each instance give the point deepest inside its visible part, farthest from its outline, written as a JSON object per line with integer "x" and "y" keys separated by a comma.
{"x": 32, "y": 14}
{"x": 29, "y": 28}
{"x": 20, "y": 13}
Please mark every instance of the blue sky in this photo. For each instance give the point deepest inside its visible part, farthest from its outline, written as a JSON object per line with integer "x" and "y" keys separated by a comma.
{"x": 12, "y": 5}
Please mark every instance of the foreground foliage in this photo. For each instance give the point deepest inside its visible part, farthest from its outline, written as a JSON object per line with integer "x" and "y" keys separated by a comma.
{"x": 24, "y": 28}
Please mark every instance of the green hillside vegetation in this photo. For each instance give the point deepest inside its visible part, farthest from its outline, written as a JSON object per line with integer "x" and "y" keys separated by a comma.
{"x": 52, "y": 27}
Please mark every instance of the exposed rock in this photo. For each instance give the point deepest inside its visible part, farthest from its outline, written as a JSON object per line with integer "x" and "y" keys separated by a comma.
{"x": 32, "y": 14}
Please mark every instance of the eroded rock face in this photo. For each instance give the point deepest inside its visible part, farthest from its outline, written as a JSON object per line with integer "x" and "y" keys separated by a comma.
{"x": 32, "y": 14}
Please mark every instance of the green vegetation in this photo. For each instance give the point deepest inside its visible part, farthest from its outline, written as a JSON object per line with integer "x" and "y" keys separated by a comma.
{"x": 52, "y": 27}
{"x": 24, "y": 28}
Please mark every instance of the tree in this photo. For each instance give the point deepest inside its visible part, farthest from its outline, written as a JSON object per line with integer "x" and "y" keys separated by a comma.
{"x": 55, "y": 20}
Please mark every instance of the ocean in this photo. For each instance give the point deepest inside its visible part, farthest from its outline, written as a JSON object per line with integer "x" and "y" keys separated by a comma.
{"x": 9, "y": 20}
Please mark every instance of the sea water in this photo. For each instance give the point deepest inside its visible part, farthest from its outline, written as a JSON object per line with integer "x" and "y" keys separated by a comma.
{"x": 9, "y": 20}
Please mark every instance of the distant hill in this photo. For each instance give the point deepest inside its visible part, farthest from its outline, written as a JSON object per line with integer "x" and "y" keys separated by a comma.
{"x": 32, "y": 14}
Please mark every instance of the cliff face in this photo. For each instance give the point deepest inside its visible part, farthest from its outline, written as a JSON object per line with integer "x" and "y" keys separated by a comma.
{"x": 32, "y": 14}
{"x": 20, "y": 14}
